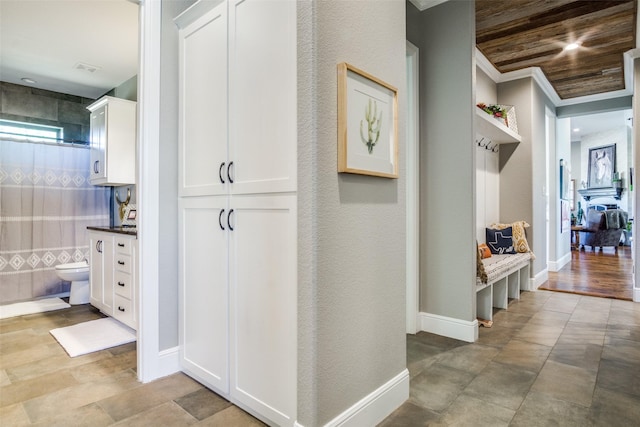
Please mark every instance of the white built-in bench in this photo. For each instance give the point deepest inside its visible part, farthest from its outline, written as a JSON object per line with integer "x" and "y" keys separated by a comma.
{"x": 507, "y": 276}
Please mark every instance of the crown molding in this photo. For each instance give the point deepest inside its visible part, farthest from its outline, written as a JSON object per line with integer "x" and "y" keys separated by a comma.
{"x": 426, "y": 4}
{"x": 536, "y": 74}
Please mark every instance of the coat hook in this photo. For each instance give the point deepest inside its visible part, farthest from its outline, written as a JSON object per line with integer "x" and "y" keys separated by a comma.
{"x": 480, "y": 144}
{"x": 495, "y": 148}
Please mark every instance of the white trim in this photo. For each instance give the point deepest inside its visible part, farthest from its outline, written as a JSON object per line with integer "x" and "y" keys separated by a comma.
{"x": 557, "y": 265}
{"x": 636, "y": 294}
{"x": 459, "y": 329}
{"x": 538, "y": 280}
{"x": 169, "y": 362}
{"x": 536, "y": 74}
{"x": 413, "y": 187}
{"x": 426, "y": 4}
{"x": 149, "y": 359}
{"x": 377, "y": 405}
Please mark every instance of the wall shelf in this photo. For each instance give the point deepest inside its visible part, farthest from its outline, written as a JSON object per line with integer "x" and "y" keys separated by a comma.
{"x": 497, "y": 132}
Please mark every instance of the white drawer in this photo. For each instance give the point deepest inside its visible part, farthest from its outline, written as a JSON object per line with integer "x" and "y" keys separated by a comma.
{"x": 123, "y": 263}
{"x": 122, "y": 284}
{"x": 123, "y": 245}
{"x": 123, "y": 311}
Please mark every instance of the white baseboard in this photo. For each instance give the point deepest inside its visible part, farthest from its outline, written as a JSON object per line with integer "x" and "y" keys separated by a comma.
{"x": 168, "y": 363}
{"x": 538, "y": 280}
{"x": 636, "y": 294}
{"x": 449, "y": 327}
{"x": 557, "y": 265}
{"x": 376, "y": 406}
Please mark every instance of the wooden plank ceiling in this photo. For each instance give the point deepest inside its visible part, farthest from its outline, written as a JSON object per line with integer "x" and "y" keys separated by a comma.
{"x": 517, "y": 34}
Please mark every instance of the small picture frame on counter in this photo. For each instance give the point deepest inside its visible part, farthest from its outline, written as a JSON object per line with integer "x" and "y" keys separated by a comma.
{"x": 131, "y": 216}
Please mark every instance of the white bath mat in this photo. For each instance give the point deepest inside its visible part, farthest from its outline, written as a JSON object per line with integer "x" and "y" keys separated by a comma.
{"x": 30, "y": 307}
{"x": 95, "y": 335}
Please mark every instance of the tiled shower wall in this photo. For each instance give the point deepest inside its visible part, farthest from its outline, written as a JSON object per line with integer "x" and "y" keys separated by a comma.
{"x": 31, "y": 105}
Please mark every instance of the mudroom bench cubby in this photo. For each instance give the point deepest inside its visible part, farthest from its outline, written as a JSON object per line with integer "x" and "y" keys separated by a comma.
{"x": 507, "y": 275}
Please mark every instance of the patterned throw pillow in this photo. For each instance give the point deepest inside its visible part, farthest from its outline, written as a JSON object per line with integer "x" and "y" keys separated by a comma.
{"x": 519, "y": 236}
{"x": 484, "y": 251}
{"x": 500, "y": 241}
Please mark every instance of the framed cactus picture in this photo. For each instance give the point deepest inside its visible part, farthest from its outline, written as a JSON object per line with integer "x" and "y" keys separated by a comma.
{"x": 367, "y": 124}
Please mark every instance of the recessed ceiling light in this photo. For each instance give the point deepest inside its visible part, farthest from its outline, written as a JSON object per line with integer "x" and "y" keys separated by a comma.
{"x": 576, "y": 129}
{"x": 572, "y": 46}
{"x": 28, "y": 80}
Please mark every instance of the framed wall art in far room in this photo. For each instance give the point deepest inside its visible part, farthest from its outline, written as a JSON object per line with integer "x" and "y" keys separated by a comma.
{"x": 602, "y": 166}
{"x": 367, "y": 124}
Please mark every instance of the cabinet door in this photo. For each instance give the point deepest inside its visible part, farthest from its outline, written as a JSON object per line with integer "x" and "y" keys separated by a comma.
{"x": 96, "y": 278}
{"x": 263, "y": 277}
{"x": 107, "y": 288}
{"x": 98, "y": 135}
{"x": 203, "y": 296}
{"x": 262, "y": 96}
{"x": 203, "y": 105}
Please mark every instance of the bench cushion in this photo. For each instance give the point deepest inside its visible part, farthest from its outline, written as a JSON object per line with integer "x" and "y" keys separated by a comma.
{"x": 499, "y": 265}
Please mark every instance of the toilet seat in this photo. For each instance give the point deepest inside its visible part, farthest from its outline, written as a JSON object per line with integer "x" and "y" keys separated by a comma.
{"x": 73, "y": 266}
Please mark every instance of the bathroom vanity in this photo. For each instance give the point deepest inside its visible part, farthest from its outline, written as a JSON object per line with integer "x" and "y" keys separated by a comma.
{"x": 113, "y": 272}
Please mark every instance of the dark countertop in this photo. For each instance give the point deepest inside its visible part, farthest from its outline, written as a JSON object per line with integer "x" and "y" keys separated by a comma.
{"x": 131, "y": 231}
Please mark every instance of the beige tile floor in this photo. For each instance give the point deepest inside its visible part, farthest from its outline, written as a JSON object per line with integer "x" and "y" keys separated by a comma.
{"x": 40, "y": 385}
{"x": 550, "y": 359}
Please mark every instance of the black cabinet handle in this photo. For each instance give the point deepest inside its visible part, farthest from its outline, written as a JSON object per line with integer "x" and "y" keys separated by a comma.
{"x": 120, "y": 262}
{"x": 121, "y": 309}
{"x": 121, "y": 245}
{"x": 229, "y": 220}
{"x": 220, "y": 172}
{"x": 229, "y": 173}
{"x": 95, "y": 166}
{"x": 99, "y": 246}
{"x": 220, "y": 219}
{"x": 120, "y": 284}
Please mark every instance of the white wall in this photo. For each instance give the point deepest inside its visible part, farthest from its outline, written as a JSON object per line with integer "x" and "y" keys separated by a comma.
{"x": 487, "y": 165}
{"x": 616, "y": 136}
{"x": 487, "y": 190}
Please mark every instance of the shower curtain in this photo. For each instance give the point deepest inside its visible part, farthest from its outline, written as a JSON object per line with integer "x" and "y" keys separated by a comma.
{"x": 46, "y": 204}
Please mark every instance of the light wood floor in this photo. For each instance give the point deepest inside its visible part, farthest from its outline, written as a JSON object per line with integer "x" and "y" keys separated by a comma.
{"x": 605, "y": 274}
{"x": 41, "y": 385}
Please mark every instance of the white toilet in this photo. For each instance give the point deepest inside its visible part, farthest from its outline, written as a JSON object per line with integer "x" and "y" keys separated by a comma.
{"x": 78, "y": 274}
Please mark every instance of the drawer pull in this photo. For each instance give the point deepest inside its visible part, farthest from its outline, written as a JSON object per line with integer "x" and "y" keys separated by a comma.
{"x": 120, "y": 262}
{"x": 121, "y": 309}
{"x": 121, "y": 245}
{"x": 120, "y": 284}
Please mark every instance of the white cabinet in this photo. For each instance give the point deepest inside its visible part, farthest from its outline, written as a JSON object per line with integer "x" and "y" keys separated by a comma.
{"x": 113, "y": 141}
{"x": 112, "y": 276}
{"x": 238, "y": 98}
{"x": 101, "y": 271}
{"x": 237, "y": 205}
{"x": 124, "y": 273}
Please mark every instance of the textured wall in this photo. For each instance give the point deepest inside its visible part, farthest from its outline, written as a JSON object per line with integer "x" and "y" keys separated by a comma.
{"x": 359, "y": 235}
{"x": 446, "y": 38}
{"x": 307, "y": 234}
{"x": 31, "y": 105}
{"x": 168, "y": 200}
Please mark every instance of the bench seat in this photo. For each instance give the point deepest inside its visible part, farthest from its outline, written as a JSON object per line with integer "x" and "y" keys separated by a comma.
{"x": 507, "y": 276}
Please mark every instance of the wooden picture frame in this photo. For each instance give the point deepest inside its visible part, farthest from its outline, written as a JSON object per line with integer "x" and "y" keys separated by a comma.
{"x": 602, "y": 166}
{"x": 367, "y": 124}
